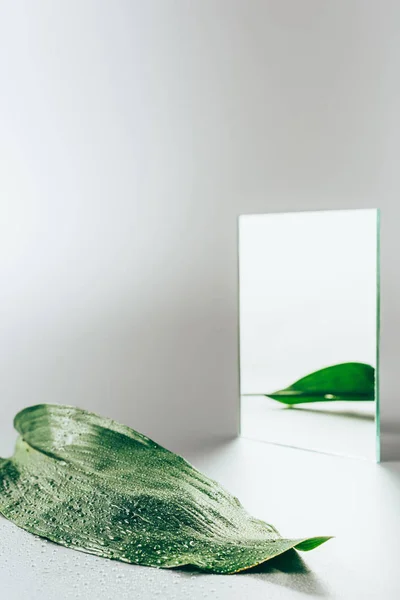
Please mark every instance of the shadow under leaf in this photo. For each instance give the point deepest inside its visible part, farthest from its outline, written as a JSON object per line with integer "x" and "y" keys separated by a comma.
{"x": 287, "y": 570}
{"x": 347, "y": 414}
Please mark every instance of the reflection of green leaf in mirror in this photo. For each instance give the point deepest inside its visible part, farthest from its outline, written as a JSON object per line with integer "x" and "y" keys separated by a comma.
{"x": 88, "y": 483}
{"x": 347, "y": 381}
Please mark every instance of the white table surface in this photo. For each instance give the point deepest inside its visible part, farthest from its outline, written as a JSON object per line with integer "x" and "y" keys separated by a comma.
{"x": 300, "y": 492}
{"x": 341, "y": 427}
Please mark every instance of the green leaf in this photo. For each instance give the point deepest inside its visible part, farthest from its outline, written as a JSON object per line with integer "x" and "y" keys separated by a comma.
{"x": 88, "y": 483}
{"x": 347, "y": 381}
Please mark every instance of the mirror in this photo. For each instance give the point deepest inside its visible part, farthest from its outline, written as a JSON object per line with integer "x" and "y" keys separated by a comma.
{"x": 308, "y": 288}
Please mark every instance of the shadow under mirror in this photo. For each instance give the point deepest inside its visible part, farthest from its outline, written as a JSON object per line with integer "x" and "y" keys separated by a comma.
{"x": 308, "y": 330}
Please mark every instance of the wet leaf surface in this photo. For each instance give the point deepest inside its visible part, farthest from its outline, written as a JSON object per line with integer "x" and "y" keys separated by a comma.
{"x": 94, "y": 485}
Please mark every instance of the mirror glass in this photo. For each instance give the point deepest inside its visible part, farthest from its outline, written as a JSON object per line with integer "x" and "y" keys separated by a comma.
{"x": 308, "y": 330}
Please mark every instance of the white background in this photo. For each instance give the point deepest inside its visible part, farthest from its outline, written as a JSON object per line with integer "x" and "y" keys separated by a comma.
{"x": 308, "y": 292}
{"x": 132, "y": 135}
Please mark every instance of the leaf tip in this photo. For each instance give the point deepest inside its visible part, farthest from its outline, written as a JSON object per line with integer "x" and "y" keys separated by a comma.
{"x": 311, "y": 543}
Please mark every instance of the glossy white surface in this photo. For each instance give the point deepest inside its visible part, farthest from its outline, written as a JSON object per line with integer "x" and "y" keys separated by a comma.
{"x": 344, "y": 428}
{"x": 298, "y": 491}
{"x": 307, "y": 294}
